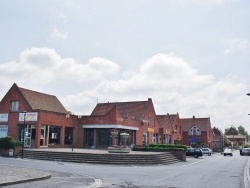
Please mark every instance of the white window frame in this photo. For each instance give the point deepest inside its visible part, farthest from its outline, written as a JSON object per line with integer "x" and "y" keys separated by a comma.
{"x": 194, "y": 131}
{"x": 14, "y": 105}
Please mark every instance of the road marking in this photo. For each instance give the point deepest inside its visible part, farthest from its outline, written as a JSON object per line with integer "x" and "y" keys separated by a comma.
{"x": 96, "y": 184}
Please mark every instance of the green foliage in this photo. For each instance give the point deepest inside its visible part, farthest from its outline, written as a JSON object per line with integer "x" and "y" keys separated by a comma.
{"x": 8, "y": 142}
{"x": 242, "y": 130}
{"x": 226, "y": 143}
{"x": 247, "y": 146}
{"x": 161, "y": 147}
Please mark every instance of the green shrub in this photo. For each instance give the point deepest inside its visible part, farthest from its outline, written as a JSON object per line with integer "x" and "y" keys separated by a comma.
{"x": 168, "y": 146}
{"x": 8, "y": 142}
{"x": 161, "y": 147}
{"x": 247, "y": 146}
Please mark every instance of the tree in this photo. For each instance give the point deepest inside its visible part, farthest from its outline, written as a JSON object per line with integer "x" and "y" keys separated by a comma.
{"x": 242, "y": 131}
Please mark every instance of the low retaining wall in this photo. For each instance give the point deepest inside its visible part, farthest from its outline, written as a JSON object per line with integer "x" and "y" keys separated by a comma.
{"x": 6, "y": 152}
{"x": 181, "y": 155}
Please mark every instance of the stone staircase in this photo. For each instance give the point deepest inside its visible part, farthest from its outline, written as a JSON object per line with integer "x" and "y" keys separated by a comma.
{"x": 146, "y": 158}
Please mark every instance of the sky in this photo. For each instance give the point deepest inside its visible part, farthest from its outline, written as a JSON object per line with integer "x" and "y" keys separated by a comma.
{"x": 191, "y": 57}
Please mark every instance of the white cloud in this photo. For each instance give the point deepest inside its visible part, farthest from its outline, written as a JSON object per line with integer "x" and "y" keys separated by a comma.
{"x": 174, "y": 87}
{"x": 58, "y": 35}
{"x": 236, "y": 45}
{"x": 169, "y": 80}
{"x": 40, "y": 66}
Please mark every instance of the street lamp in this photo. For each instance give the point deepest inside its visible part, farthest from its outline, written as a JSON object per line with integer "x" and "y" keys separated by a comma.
{"x": 23, "y": 132}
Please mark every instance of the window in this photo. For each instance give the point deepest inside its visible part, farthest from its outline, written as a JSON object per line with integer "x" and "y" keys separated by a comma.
{"x": 14, "y": 106}
{"x": 194, "y": 131}
{"x": 3, "y": 131}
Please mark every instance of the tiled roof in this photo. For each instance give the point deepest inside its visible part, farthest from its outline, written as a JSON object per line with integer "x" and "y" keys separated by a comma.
{"x": 41, "y": 101}
{"x": 231, "y": 131}
{"x": 161, "y": 119}
{"x": 172, "y": 118}
{"x": 216, "y": 131}
{"x": 201, "y": 123}
{"x": 135, "y": 109}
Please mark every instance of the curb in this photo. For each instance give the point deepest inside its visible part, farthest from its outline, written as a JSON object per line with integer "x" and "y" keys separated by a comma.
{"x": 246, "y": 174}
{"x": 26, "y": 180}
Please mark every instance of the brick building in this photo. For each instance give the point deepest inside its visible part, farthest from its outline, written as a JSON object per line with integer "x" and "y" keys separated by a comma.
{"x": 170, "y": 131}
{"x": 137, "y": 118}
{"x": 41, "y": 116}
{"x": 197, "y": 132}
{"x": 218, "y": 139}
{"x": 43, "y": 121}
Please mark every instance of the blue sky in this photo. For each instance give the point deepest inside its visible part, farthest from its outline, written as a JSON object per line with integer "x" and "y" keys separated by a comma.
{"x": 190, "y": 57}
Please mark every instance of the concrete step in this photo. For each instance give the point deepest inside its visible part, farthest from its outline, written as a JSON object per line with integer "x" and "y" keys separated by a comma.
{"x": 133, "y": 159}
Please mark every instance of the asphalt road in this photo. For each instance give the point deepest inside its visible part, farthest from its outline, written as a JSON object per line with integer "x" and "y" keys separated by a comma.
{"x": 206, "y": 172}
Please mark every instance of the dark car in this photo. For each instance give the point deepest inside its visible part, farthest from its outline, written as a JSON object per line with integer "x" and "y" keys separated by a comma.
{"x": 194, "y": 152}
{"x": 245, "y": 151}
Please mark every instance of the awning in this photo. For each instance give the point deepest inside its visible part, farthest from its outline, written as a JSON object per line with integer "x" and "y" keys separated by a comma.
{"x": 109, "y": 126}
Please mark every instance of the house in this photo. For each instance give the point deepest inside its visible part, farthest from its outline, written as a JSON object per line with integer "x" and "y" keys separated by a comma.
{"x": 197, "y": 132}
{"x": 218, "y": 140}
{"x": 37, "y": 119}
{"x": 169, "y": 129}
{"x": 137, "y": 118}
{"x": 237, "y": 140}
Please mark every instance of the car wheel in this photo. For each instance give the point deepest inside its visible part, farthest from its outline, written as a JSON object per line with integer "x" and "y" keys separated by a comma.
{"x": 224, "y": 154}
{"x": 209, "y": 154}
{"x": 195, "y": 156}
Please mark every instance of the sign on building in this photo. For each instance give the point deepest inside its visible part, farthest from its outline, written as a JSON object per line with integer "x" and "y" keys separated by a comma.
{"x": 30, "y": 116}
{"x": 3, "y": 117}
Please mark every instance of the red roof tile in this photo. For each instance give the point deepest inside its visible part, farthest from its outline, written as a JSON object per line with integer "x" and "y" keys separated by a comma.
{"x": 135, "y": 109}
{"x": 201, "y": 123}
{"x": 161, "y": 119}
{"x": 41, "y": 101}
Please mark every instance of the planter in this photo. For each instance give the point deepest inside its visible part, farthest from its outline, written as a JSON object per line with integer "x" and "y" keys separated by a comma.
{"x": 118, "y": 150}
{"x": 124, "y": 135}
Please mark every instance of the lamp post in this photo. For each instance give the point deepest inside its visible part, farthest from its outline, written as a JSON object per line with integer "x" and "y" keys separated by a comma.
{"x": 22, "y": 133}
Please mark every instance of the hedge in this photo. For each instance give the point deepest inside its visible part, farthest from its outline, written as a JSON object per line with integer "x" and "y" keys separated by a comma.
{"x": 8, "y": 142}
{"x": 161, "y": 147}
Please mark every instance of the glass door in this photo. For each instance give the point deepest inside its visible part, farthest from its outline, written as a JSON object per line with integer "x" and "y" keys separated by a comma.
{"x": 27, "y": 136}
{"x": 43, "y": 136}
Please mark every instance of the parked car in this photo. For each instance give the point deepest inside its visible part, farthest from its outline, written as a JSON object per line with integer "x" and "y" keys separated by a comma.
{"x": 228, "y": 151}
{"x": 245, "y": 151}
{"x": 206, "y": 151}
{"x": 195, "y": 152}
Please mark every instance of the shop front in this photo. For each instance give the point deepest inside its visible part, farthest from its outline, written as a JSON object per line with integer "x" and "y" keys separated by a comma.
{"x": 99, "y": 136}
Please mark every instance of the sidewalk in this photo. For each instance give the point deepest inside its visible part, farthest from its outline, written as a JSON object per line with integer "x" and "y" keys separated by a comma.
{"x": 13, "y": 175}
{"x": 10, "y": 175}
